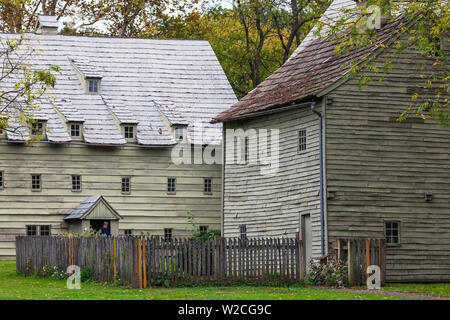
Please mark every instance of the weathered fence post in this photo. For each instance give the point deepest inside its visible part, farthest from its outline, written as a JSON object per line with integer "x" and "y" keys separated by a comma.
{"x": 350, "y": 249}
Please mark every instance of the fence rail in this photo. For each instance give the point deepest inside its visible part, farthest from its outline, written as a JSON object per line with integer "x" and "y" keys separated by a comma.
{"x": 359, "y": 253}
{"x": 146, "y": 261}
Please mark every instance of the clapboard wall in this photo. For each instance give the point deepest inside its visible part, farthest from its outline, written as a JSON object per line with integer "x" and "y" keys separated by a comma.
{"x": 272, "y": 205}
{"x": 380, "y": 170}
{"x": 147, "y": 209}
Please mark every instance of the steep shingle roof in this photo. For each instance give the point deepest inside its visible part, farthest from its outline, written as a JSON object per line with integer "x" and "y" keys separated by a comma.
{"x": 313, "y": 67}
{"x": 137, "y": 75}
{"x": 86, "y": 205}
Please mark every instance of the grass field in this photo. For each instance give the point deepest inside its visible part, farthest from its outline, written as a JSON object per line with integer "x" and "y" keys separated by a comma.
{"x": 432, "y": 289}
{"x": 13, "y": 286}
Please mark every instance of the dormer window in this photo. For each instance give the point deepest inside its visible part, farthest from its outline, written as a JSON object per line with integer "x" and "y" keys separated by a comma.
{"x": 179, "y": 134}
{"x": 38, "y": 128}
{"x": 129, "y": 132}
{"x": 93, "y": 86}
{"x": 76, "y": 131}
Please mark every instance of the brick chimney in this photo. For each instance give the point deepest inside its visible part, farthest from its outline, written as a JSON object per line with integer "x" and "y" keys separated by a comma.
{"x": 47, "y": 25}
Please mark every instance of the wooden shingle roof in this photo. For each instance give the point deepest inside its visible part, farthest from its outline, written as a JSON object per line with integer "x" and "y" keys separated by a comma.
{"x": 136, "y": 75}
{"x": 313, "y": 67}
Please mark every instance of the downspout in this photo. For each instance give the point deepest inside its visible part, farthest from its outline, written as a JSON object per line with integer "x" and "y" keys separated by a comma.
{"x": 322, "y": 219}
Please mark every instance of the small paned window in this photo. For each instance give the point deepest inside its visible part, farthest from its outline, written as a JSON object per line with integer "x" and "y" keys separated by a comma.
{"x": 44, "y": 230}
{"x": 129, "y": 132}
{"x": 76, "y": 183}
{"x": 392, "y": 232}
{"x": 168, "y": 234}
{"x": 93, "y": 86}
{"x": 126, "y": 185}
{"x": 37, "y": 128}
{"x": 75, "y": 130}
{"x": 36, "y": 182}
{"x": 171, "y": 185}
{"x": 31, "y": 230}
{"x": 207, "y": 187}
{"x": 179, "y": 133}
{"x": 302, "y": 140}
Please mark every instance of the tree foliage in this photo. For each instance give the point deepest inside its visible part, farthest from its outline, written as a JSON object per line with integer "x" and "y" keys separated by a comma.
{"x": 22, "y": 86}
{"x": 424, "y": 28}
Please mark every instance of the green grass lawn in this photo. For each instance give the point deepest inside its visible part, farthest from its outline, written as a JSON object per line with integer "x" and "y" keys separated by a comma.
{"x": 431, "y": 289}
{"x": 13, "y": 286}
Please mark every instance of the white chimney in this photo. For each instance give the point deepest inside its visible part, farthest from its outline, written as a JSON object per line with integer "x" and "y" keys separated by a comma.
{"x": 385, "y": 17}
{"x": 47, "y": 25}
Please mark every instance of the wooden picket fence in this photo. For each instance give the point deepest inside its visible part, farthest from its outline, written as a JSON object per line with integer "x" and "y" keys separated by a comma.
{"x": 359, "y": 253}
{"x": 148, "y": 261}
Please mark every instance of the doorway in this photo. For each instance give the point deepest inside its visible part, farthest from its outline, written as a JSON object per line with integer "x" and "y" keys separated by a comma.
{"x": 306, "y": 238}
{"x": 97, "y": 224}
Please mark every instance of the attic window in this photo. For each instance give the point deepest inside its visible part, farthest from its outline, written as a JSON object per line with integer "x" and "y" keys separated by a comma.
{"x": 76, "y": 131}
{"x": 129, "y": 132}
{"x": 179, "y": 133}
{"x": 93, "y": 86}
{"x": 37, "y": 128}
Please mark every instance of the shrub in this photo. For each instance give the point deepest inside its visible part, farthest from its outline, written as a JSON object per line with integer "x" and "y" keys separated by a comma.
{"x": 48, "y": 271}
{"x": 86, "y": 275}
{"x": 330, "y": 274}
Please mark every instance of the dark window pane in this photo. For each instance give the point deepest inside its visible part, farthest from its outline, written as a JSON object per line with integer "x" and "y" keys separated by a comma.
{"x": 171, "y": 185}
{"x": 126, "y": 185}
{"x": 31, "y": 230}
{"x": 207, "y": 186}
{"x": 302, "y": 140}
{"x": 45, "y": 230}
{"x": 167, "y": 234}
{"x": 35, "y": 182}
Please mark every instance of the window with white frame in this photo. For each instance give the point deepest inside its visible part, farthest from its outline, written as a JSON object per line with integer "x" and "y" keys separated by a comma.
{"x": 245, "y": 150}
{"x": 302, "y": 140}
{"x": 179, "y": 133}
{"x": 35, "y": 230}
{"x": 203, "y": 229}
{"x": 129, "y": 132}
{"x": 31, "y": 230}
{"x": 126, "y": 185}
{"x": 1, "y": 180}
{"x": 93, "y": 86}
{"x": 171, "y": 185}
{"x": 207, "y": 186}
{"x": 392, "y": 232}
{"x": 36, "y": 182}
{"x": 44, "y": 230}
{"x": 75, "y": 130}
{"x": 76, "y": 183}
{"x": 128, "y": 232}
{"x": 168, "y": 234}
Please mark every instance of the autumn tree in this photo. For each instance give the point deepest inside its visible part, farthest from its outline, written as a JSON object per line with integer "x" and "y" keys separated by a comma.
{"x": 424, "y": 28}
{"x": 22, "y": 87}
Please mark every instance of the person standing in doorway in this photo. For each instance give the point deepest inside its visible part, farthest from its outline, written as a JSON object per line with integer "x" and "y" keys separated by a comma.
{"x": 105, "y": 230}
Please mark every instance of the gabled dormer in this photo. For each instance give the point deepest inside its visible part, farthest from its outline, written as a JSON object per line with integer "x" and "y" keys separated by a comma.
{"x": 89, "y": 75}
{"x": 47, "y": 25}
